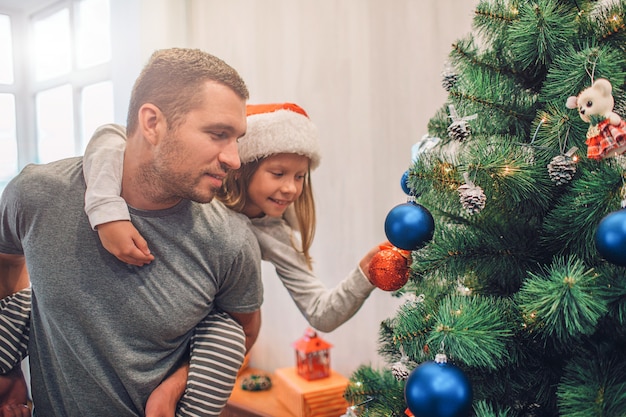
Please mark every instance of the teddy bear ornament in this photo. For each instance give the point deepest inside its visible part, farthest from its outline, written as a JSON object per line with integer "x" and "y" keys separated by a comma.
{"x": 606, "y": 135}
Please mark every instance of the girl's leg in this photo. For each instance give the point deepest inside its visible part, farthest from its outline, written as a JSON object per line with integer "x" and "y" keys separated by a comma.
{"x": 217, "y": 353}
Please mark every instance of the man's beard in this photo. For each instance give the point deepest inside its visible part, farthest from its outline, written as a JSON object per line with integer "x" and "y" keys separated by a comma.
{"x": 162, "y": 183}
{"x": 174, "y": 187}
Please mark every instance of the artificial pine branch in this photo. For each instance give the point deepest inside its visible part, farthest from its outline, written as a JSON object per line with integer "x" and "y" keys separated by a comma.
{"x": 593, "y": 385}
{"x": 539, "y": 33}
{"x": 466, "y": 54}
{"x": 570, "y": 226}
{"x": 573, "y": 69}
{"x": 560, "y": 304}
{"x": 608, "y": 25}
{"x": 471, "y": 330}
{"x": 385, "y": 392}
{"x": 493, "y": 18}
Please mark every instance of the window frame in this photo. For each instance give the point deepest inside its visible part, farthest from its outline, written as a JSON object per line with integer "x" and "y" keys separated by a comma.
{"x": 77, "y": 78}
{"x": 25, "y": 86}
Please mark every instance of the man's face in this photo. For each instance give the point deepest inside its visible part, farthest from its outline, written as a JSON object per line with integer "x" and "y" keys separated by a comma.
{"x": 193, "y": 159}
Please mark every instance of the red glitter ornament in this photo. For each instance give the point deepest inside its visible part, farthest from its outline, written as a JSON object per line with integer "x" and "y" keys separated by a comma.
{"x": 389, "y": 268}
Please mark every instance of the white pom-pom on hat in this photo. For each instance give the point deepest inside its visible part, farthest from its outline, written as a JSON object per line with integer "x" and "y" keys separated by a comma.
{"x": 279, "y": 128}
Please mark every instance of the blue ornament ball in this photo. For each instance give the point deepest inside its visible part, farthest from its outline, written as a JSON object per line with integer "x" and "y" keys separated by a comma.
{"x": 404, "y": 184}
{"x": 409, "y": 226}
{"x": 438, "y": 390}
{"x": 611, "y": 237}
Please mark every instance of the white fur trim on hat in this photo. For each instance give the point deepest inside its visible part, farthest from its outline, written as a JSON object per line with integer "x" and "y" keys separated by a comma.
{"x": 280, "y": 131}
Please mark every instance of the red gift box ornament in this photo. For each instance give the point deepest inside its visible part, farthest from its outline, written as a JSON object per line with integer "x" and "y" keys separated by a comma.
{"x": 312, "y": 356}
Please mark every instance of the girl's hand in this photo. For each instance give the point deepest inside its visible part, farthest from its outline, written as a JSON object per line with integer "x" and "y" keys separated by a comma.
{"x": 364, "y": 264}
{"x": 123, "y": 241}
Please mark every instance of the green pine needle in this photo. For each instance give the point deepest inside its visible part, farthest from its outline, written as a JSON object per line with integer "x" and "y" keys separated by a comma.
{"x": 483, "y": 409}
{"x": 562, "y": 303}
{"x": 381, "y": 393}
{"x": 539, "y": 33}
{"x": 471, "y": 330}
{"x": 594, "y": 385}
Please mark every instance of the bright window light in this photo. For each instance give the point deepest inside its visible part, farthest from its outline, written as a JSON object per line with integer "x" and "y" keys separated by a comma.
{"x": 6, "y": 51}
{"x": 93, "y": 34}
{"x": 97, "y": 108}
{"x": 8, "y": 141}
{"x": 55, "y": 124}
{"x": 52, "y": 45}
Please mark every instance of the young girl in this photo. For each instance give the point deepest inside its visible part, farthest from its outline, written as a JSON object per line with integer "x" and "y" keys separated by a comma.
{"x": 273, "y": 189}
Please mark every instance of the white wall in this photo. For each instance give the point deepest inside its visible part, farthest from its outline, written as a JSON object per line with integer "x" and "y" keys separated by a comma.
{"x": 368, "y": 74}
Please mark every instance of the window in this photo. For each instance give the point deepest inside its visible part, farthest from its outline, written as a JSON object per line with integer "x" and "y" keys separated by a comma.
{"x": 55, "y": 125}
{"x": 52, "y": 45}
{"x": 65, "y": 90}
{"x": 8, "y": 141}
{"x": 6, "y": 50}
{"x": 8, "y": 144}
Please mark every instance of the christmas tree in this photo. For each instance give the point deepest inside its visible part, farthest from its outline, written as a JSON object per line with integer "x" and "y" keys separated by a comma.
{"x": 512, "y": 288}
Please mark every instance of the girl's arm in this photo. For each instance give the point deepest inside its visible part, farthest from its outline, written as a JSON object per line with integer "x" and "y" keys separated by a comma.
{"x": 107, "y": 211}
{"x": 324, "y": 309}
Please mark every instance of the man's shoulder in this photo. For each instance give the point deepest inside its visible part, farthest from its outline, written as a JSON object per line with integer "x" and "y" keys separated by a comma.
{"x": 50, "y": 177}
{"x": 63, "y": 168}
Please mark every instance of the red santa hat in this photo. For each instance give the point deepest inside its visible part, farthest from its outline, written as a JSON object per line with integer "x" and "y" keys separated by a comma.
{"x": 279, "y": 128}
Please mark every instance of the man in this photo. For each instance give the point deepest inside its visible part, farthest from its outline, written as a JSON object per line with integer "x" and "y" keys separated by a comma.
{"x": 104, "y": 334}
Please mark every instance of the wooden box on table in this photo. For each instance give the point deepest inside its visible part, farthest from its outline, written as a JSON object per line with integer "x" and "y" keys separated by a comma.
{"x": 317, "y": 398}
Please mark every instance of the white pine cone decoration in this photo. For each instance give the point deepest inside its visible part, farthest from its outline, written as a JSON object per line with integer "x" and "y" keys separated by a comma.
{"x": 562, "y": 167}
{"x": 459, "y": 130}
{"x": 400, "y": 371}
{"x": 472, "y": 197}
{"x": 449, "y": 80}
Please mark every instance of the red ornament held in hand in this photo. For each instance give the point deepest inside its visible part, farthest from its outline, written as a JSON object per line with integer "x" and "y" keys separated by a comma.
{"x": 389, "y": 268}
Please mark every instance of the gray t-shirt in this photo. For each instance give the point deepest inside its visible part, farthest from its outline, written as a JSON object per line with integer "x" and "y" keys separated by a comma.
{"x": 105, "y": 334}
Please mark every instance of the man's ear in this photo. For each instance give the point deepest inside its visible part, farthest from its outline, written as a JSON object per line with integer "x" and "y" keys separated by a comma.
{"x": 151, "y": 123}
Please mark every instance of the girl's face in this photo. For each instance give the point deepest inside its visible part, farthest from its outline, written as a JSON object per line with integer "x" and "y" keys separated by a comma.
{"x": 276, "y": 183}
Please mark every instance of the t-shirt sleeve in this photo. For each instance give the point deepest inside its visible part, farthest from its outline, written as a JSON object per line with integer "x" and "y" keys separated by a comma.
{"x": 13, "y": 210}
{"x": 102, "y": 167}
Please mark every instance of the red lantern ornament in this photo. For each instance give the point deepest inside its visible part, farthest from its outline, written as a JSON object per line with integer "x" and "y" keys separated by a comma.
{"x": 312, "y": 356}
{"x": 389, "y": 268}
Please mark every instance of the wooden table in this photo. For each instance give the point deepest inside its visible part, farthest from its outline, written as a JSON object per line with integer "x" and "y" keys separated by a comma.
{"x": 254, "y": 403}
